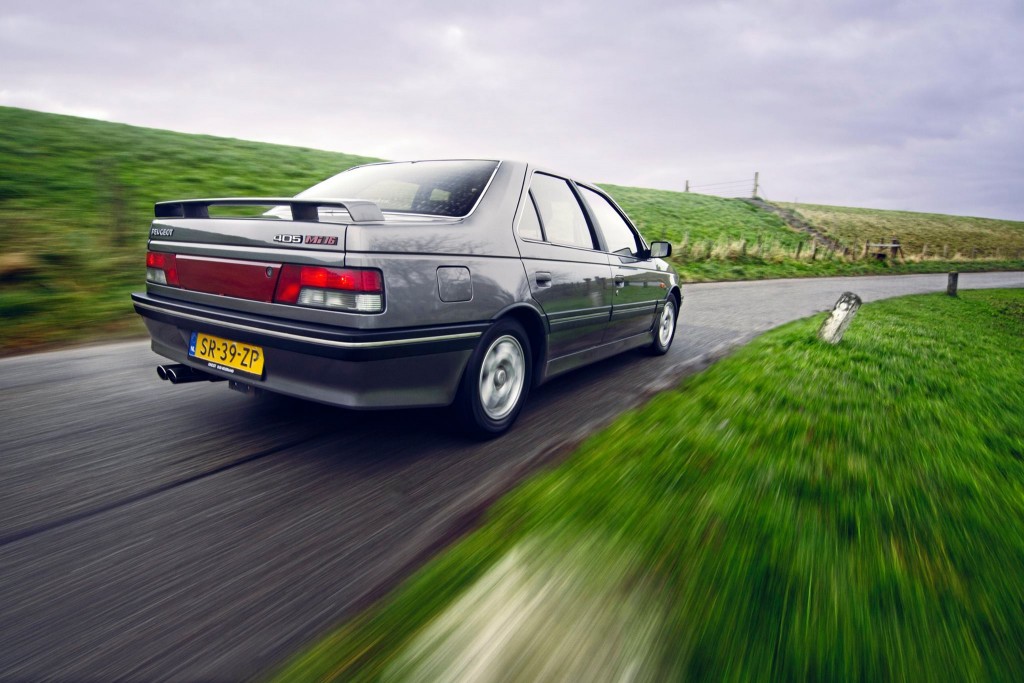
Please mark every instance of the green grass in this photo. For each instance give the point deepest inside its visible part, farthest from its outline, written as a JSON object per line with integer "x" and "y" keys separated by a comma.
{"x": 796, "y": 512}
{"x": 696, "y": 219}
{"x": 76, "y": 200}
{"x": 953, "y": 234}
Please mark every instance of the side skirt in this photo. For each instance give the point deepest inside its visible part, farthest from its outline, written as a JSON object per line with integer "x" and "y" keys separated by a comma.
{"x": 563, "y": 364}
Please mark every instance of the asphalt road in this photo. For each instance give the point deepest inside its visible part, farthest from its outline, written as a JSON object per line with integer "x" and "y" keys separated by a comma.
{"x": 149, "y": 531}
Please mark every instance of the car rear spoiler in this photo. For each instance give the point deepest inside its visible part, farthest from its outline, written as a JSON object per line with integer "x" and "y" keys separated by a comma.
{"x": 361, "y": 210}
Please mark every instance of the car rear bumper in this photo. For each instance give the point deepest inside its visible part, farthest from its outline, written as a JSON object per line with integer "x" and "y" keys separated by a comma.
{"x": 345, "y": 367}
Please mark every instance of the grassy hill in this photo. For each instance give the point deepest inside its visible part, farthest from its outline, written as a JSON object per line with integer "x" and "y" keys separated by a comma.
{"x": 730, "y": 239}
{"x": 694, "y": 219}
{"x": 932, "y": 233}
{"x": 76, "y": 196}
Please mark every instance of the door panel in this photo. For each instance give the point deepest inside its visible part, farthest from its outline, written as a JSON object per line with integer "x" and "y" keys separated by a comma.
{"x": 574, "y": 287}
{"x": 637, "y": 290}
{"x": 568, "y": 276}
{"x": 637, "y": 293}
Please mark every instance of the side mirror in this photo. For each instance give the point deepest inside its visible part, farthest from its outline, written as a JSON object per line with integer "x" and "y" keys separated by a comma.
{"x": 660, "y": 249}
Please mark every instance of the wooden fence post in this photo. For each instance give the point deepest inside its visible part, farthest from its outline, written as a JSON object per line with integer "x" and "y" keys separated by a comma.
{"x": 865, "y": 254}
{"x": 951, "y": 283}
{"x": 799, "y": 246}
{"x": 814, "y": 252}
{"x": 924, "y": 251}
{"x": 945, "y": 251}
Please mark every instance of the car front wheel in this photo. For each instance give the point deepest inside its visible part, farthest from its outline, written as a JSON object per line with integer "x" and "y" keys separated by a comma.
{"x": 664, "y": 329}
{"x": 497, "y": 380}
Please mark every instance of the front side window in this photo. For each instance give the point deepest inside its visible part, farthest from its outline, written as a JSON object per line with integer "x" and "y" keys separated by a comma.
{"x": 617, "y": 234}
{"x": 436, "y": 188}
{"x": 560, "y": 212}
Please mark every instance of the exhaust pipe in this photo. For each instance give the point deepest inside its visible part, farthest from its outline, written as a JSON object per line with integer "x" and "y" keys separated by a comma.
{"x": 183, "y": 374}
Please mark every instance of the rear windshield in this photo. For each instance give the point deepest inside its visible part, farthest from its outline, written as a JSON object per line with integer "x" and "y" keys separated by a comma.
{"x": 436, "y": 188}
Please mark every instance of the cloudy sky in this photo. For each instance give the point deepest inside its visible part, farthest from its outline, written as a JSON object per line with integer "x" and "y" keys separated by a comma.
{"x": 902, "y": 105}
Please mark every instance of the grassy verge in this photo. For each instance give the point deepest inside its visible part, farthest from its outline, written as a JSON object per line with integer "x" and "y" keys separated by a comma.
{"x": 798, "y": 511}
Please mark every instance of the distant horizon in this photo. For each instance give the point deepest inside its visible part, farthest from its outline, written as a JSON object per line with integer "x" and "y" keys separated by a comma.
{"x": 596, "y": 181}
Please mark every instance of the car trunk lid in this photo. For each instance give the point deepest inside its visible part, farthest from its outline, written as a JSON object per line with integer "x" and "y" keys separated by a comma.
{"x": 242, "y": 256}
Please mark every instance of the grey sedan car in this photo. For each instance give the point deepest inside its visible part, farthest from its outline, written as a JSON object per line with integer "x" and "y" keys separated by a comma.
{"x": 425, "y": 283}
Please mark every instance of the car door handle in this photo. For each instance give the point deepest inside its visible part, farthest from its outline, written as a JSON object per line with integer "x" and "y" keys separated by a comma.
{"x": 543, "y": 278}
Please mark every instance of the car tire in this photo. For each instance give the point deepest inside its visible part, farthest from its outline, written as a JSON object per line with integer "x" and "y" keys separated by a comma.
{"x": 496, "y": 381}
{"x": 664, "y": 328}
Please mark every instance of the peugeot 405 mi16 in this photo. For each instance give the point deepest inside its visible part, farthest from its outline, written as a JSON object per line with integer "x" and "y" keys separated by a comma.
{"x": 392, "y": 285}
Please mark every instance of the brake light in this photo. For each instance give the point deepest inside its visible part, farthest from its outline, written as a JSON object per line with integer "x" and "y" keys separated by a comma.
{"x": 162, "y": 268}
{"x": 346, "y": 289}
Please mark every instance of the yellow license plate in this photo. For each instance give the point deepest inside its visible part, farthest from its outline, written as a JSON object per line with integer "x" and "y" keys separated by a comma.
{"x": 226, "y": 355}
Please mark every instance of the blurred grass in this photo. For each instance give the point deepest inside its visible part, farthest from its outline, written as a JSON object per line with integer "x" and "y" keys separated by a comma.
{"x": 797, "y": 512}
{"x": 76, "y": 200}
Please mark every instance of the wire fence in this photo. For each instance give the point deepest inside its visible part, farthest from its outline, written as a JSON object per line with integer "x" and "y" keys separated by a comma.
{"x": 727, "y": 188}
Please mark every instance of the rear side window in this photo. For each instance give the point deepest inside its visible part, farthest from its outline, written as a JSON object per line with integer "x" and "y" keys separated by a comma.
{"x": 529, "y": 224}
{"x": 617, "y": 234}
{"x": 436, "y": 188}
{"x": 560, "y": 212}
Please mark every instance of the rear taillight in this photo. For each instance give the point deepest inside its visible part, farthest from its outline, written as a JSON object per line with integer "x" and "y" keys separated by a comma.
{"x": 343, "y": 289}
{"x": 162, "y": 269}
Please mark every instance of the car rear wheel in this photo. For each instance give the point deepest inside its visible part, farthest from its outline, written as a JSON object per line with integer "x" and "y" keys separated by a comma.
{"x": 664, "y": 329}
{"x": 497, "y": 380}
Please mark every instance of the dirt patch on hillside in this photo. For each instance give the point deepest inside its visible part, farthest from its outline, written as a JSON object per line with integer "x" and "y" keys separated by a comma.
{"x": 794, "y": 221}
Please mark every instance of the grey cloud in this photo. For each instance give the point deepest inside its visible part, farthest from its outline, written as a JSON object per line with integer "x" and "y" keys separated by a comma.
{"x": 895, "y": 104}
